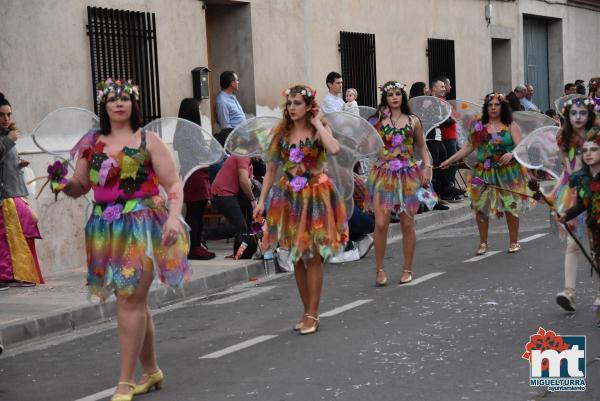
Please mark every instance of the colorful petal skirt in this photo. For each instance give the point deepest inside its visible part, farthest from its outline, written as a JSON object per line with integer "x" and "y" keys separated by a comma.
{"x": 18, "y": 231}
{"x": 489, "y": 200}
{"x": 120, "y": 236}
{"x": 305, "y": 216}
{"x": 564, "y": 197}
{"x": 398, "y": 184}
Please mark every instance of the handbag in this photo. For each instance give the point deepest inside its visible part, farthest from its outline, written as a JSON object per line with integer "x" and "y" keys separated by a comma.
{"x": 244, "y": 245}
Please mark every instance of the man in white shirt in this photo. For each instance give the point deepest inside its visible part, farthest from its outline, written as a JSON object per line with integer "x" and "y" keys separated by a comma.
{"x": 333, "y": 101}
{"x": 528, "y": 105}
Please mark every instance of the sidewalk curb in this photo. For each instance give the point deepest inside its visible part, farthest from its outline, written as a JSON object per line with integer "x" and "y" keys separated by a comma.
{"x": 28, "y": 329}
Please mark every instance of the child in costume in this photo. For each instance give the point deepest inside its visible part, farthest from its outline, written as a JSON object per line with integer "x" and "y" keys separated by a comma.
{"x": 493, "y": 139}
{"x": 578, "y": 119}
{"x": 396, "y": 182}
{"x": 131, "y": 231}
{"x": 586, "y": 184}
{"x": 306, "y": 214}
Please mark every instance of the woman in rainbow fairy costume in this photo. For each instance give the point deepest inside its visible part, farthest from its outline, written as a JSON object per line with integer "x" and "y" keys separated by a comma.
{"x": 305, "y": 215}
{"x": 395, "y": 181}
{"x": 579, "y": 117}
{"x": 499, "y": 184}
{"x": 130, "y": 231}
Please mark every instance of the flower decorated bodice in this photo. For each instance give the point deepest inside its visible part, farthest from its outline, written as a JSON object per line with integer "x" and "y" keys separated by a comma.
{"x": 489, "y": 148}
{"x": 306, "y": 157}
{"x": 588, "y": 193}
{"x": 121, "y": 177}
{"x": 398, "y": 144}
{"x": 573, "y": 154}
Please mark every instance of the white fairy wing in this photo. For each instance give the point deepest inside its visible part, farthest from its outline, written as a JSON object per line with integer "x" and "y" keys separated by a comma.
{"x": 252, "y": 137}
{"x": 559, "y": 103}
{"x": 342, "y": 177}
{"x": 194, "y": 147}
{"x": 465, "y": 114}
{"x": 539, "y": 151}
{"x": 529, "y": 121}
{"x": 432, "y": 111}
{"x": 61, "y": 129}
{"x": 366, "y": 112}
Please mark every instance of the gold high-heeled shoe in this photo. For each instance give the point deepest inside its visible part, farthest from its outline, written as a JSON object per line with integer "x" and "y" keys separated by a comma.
{"x": 298, "y": 325}
{"x": 124, "y": 397}
{"x": 314, "y": 328}
{"x": 483, "y": 248}
{"x": 409, "y": 273}
{"x": 383, "y": 281}
{"x": 154, "y": 380}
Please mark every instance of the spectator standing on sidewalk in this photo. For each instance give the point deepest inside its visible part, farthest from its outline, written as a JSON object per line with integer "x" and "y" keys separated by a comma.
{"x": 514, "y": 98}
{"x": 527, "y": 101}
{"x": 18, "y": 223}
{"x": 396, "y": 179}
{"x": 196, "y": 191}
{"x": 229, "y": 111}
{"x": 130, "y": 231}
{"x": 232, "y": 196}
{"x": 332, "y": 101}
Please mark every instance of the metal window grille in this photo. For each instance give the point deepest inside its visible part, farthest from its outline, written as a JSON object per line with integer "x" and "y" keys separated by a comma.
{"x": 123, "y": 46}
{"x": 358, "y": 65}
{"x": 440, "y": 54}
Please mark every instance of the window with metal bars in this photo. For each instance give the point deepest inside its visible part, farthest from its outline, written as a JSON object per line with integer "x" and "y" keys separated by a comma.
{"x": 440, "y": 54}
{"x": 123, "y": 46}
{"x": 358, "y": 65}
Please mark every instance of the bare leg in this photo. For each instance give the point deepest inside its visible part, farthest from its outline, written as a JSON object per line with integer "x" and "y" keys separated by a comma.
{"x": 301, "y": 282}
{"x": 483, "y": 223}
{"x": 512, "y": 222}
{"x": 382, "y": 222}
{"x": 314, "y": 283}
{"x": 132, "y": 321}
{"x": 409, "y": 240}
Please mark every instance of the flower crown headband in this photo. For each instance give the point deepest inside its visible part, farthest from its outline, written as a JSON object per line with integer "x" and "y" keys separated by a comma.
{"x": 306, "y": 92}
{"x": 593, "y": 135}
{"x": 492, "y": 95}
{"x": 580, "y": 101}
{"x": 118, "y": 87}
{"x": 393, "y": 85}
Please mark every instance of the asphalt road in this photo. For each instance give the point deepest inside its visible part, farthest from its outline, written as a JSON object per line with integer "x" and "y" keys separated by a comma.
{"x": 457, "y": 335}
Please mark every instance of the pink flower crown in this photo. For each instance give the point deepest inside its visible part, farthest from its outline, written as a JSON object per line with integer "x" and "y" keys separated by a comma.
{"x": 390, "y": 86}
{"x": 303, "y": 90}
{"x": 117, "y": 86}
{"x": 492, "y": 95}
{"x": 579, "y": 101}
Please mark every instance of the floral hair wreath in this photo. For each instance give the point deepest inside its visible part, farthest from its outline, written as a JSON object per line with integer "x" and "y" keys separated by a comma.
{"x": 580, "y": 101}
{"x": 593, "y": 135}
{"x": 117, "y": 86}
{"x": 305, "y": 91}
{"x": 393, "y": 85}
{"x": 492, "y": 95}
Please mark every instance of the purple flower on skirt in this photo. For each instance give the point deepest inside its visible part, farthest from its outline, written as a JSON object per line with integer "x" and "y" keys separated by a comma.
{"x": 397, "y": 140}
{"x": 395, "y": 165}
{"x": 477, "y": 181}
{"x": 487, "y": 164}
{"x": 478, "y": 126}
{"x": 296, "y": 155}
{"x": 112, "y": 212}
{"x": 298, "y": 183}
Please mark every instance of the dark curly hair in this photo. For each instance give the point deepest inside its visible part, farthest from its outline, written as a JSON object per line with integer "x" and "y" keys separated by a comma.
{"x": 505, "y": 110}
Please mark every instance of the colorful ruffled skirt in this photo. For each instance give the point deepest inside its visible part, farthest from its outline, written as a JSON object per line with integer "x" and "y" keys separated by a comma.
{"x": 564, "y": 197}
{"x": 18, "y": 231}
{"x": 120, "y": 237}
{"x": 489, "y": 200}
{"x": 398, "y": 189}
{"x": 306, "y": 220}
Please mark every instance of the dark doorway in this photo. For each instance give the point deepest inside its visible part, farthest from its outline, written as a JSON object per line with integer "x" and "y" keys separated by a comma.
{"x": 358, "y": 65}
{"x": 440, "y": 54}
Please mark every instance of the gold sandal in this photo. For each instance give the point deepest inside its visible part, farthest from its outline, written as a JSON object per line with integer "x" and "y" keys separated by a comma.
{"x": 514, "y": 247}
{"x": 298, "y": 325}
{"x": 409, "y": 276}
{"x": 124, "y": 397}
{"x": 314, "y": 328}
{"x": 483, "y": 248}
{"x": 383, "y": 281}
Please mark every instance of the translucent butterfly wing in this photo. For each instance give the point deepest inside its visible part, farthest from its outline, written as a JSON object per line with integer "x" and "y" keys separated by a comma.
{"x": 366, "y": 112}
{"x": 539, "y": 151}
{"x": 252, "y": 137}
{"x": 432, "y": 111}
{"x": 465, "y": 114}
{"x": 529, "y": 121}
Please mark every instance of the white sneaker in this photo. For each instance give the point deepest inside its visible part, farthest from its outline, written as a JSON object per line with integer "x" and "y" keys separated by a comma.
{"x": 347, "y": 256}
{"x": 566, "y": 300}
{"x": 282, "y": 260}
{"x": 364, "y": 245}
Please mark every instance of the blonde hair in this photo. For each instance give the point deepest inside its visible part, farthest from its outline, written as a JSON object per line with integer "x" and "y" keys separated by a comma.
{"x": 353, "y": 91}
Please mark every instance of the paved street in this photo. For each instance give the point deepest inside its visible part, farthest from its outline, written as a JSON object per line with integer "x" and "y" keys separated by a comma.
{"x": 457, "y": 335}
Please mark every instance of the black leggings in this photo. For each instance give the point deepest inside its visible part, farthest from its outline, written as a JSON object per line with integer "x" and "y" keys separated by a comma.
{"x": 194, "y": 212}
